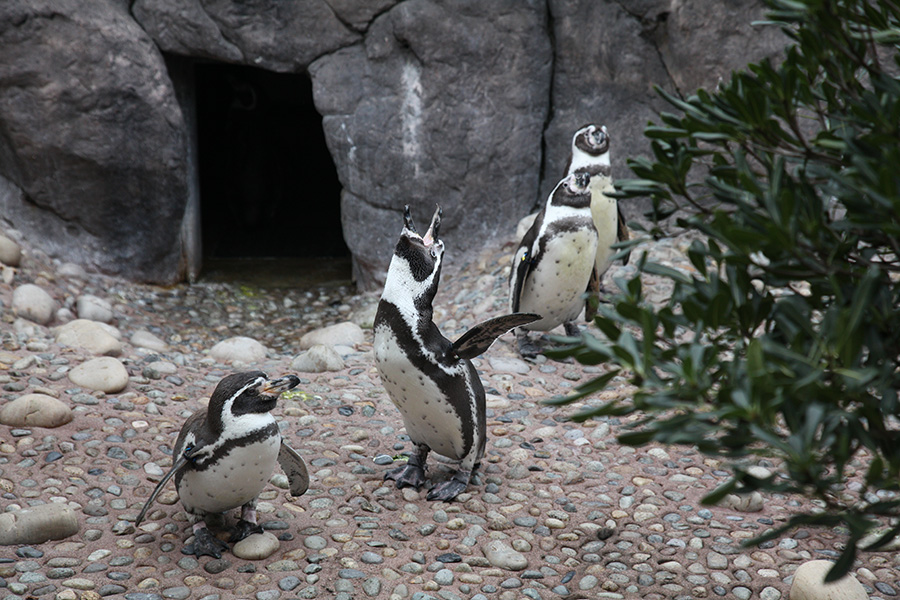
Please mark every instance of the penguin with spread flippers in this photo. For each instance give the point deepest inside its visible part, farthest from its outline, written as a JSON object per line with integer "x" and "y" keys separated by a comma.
{"x": 225, "y": 455}
{"x": 430, "y": 379}
{"x": 554, "y": 262}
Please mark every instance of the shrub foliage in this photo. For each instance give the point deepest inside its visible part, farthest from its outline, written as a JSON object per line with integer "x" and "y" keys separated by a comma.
{"x": 784, "y": 341}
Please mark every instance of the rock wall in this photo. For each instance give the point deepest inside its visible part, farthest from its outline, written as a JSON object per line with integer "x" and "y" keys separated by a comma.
{"x": 465, "y": 103}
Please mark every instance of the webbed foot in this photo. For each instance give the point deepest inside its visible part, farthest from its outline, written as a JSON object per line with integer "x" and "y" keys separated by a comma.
{"x": 205, "y": 544}
{"x": 572, "y": 329}
{"x": 410, "y": 474}
{"x": 446, "y": 491}
{"x": 244, "y": 528}
{"x": 528, "y": 348}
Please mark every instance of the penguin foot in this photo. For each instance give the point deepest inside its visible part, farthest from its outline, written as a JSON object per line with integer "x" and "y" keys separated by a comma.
{"x": 244, "y": 528}
{"x": 411, "y": 475}
{"x": 446, "y": 491}
{"x": 528, "y": 348}
{"x": 205, "y": 544}
{"x": 572, "y": 329}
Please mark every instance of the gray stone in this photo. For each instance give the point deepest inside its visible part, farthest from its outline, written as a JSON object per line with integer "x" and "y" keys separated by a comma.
{"x": 318, "y": 359}
{"x": 37, "y": 524}
{"x": 94, "y": 309}
{"x": 96, "y": 338}
{"x": 10, "y": 252}
{"x": 809, "y": 584}
{"x": 341, "y": 334}
{"x": 105, "y": 374}
{"x": 501, "y": 555}
{"x": 144, "y": 339}
{"x": 509, "y": 364}
{"x": 31, "y": 302}
{"x": 35, "y": 410}
{"x": 238, "y": 349}
{"x": 257, "y": 546}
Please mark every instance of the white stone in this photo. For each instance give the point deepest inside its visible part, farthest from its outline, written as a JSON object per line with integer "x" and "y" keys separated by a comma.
{"x": 318, "y": 359}
{"x": 809, "y": 584}
{"x": 524, "y": 225}
{"x": 10, "y": 253}
{"x": 35, "y": 410}
{"x": 752, "y": 502}
{"x": 33, "y": 303}
{"x": 504, "y": 557}
{"x": 238, "y": 349}
{"x": 37, "y": 524}
{"x": 509, "y": 364}
{"x": 873, "y": 537}
{"x": 71, "y": 271}
{"x": 94, "y": 308}
{"x": 257, "y": 546}
{"x": 105, "y": 374}
{"x": 96, "y": 338}
{"x": 344, "y": 334}
{"x": 144, "y": 339}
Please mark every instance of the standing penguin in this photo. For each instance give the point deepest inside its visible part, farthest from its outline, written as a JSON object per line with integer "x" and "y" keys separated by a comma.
{"x": 590, "y": 154}
{"x": 428, "y": 378}
{"x": 226, "y": 455}
{"x": 555, "y": 261}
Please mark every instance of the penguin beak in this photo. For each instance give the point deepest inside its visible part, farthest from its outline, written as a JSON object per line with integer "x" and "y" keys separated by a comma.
{"x": 407, "y": 219}
{"x": 432, "y": 234}
{"x": 282, "y": 384}
{"x": 582, "y": 180}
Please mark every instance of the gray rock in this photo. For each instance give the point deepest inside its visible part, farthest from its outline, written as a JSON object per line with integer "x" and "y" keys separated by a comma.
{"x": 96, "y": 338}
{"x": 509, "y": 364}
{"x": 483, "y": 72}
{"x": 809, "y": 584}
{"x": 31, "y": 302}
{"x": 238, "y": 349}
{"x": 35, "y": 410}
{"x": 10, "y": 252}
{"x": 105, "y": 374}
{"x": 258, "y": 546}
{"x": 37, "y": 524}
{"x": 144, "y": 339}
{"x": 341, "y": 334}
{"x": 318, "y": 359}
{"x": 504, "y": 557}
{"x": 96, "y": 152}
{"x": 94, "y": 309}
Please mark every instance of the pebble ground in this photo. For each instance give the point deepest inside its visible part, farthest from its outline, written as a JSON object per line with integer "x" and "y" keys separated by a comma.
{"x": 547, "y": 490}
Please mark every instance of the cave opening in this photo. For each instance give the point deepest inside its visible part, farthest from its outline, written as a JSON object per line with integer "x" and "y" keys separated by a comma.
{"x": 269, "y": 194}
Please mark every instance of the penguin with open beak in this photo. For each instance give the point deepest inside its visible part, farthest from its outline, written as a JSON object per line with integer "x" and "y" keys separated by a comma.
{"x": 226, "y": 454}
{"x": 430, "y": 379}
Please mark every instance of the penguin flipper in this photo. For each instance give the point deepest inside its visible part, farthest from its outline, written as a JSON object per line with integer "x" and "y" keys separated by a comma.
{"x": 293, "y": 466}
{"x": 179, "y": 465}
{"x": 478, "y": 339}
{"x": 623, "y": 234}
{"x": 592, "y": 297}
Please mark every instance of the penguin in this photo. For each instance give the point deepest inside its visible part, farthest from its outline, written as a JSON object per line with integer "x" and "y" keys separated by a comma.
{"x": 590, "y": 154}
{"x": 554, "y": 262}
{"x": 430, "y": 379}
{"x": 226, "y": 455}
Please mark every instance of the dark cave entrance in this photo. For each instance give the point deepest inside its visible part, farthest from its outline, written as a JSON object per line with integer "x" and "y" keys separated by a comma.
{"x": 269, "y": 195}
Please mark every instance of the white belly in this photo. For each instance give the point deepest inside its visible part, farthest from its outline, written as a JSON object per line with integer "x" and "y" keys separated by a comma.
{"x": 604, "y": 212}
{"x": 428, "y": 416}
{"x": 233, "y": 481}
{"x": 556, "y": 285}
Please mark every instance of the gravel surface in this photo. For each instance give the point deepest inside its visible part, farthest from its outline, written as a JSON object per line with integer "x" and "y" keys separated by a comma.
{"x": 536, "y": 524}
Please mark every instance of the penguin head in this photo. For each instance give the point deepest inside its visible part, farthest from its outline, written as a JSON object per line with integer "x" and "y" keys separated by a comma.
{"x": 591, "y": 140}
{"x": 242, "y": 396}
{"x": 422, "y": 253}
{"x": 573, "y": 190}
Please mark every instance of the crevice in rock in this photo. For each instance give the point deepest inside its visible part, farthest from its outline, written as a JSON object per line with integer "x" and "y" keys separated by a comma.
{"x": 551, "y": 35}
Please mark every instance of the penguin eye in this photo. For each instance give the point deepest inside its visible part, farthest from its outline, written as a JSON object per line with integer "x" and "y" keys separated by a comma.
{"x": 433, "y": 253}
